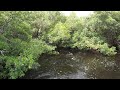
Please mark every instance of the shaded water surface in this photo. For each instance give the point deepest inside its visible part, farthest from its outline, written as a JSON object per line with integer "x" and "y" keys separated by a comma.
{"x": 76, "y": 65}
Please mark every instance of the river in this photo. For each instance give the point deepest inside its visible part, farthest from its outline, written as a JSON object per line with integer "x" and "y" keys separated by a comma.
{"x": 76, "y": 65}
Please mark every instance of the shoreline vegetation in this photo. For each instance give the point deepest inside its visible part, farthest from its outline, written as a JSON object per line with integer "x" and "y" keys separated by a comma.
{"x": 25, "y": 35}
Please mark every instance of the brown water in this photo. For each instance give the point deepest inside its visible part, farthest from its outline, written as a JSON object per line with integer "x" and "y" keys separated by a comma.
{"x": 76, "y": 65}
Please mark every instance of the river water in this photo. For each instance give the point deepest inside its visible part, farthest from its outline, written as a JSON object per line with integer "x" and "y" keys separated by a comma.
{"x": 76, "y": 65}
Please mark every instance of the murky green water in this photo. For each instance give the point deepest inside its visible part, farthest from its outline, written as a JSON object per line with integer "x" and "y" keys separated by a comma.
{"x": 76, "y": 65}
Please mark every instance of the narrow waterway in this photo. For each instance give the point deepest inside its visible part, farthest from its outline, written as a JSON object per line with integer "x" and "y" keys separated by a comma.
{"x": 76, "y": 65}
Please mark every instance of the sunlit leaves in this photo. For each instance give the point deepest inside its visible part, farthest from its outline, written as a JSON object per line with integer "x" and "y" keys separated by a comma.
{"x": 25, "y": 35}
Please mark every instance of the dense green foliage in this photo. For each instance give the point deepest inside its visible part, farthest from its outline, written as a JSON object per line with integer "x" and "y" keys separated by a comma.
{"x": 25, "y": 35}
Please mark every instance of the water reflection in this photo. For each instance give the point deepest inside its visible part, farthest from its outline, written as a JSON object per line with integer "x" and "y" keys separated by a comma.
{"x": 76, "y": 65}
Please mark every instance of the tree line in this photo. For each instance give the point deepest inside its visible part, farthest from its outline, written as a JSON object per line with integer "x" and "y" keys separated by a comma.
{"x": 25, "y": 35}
